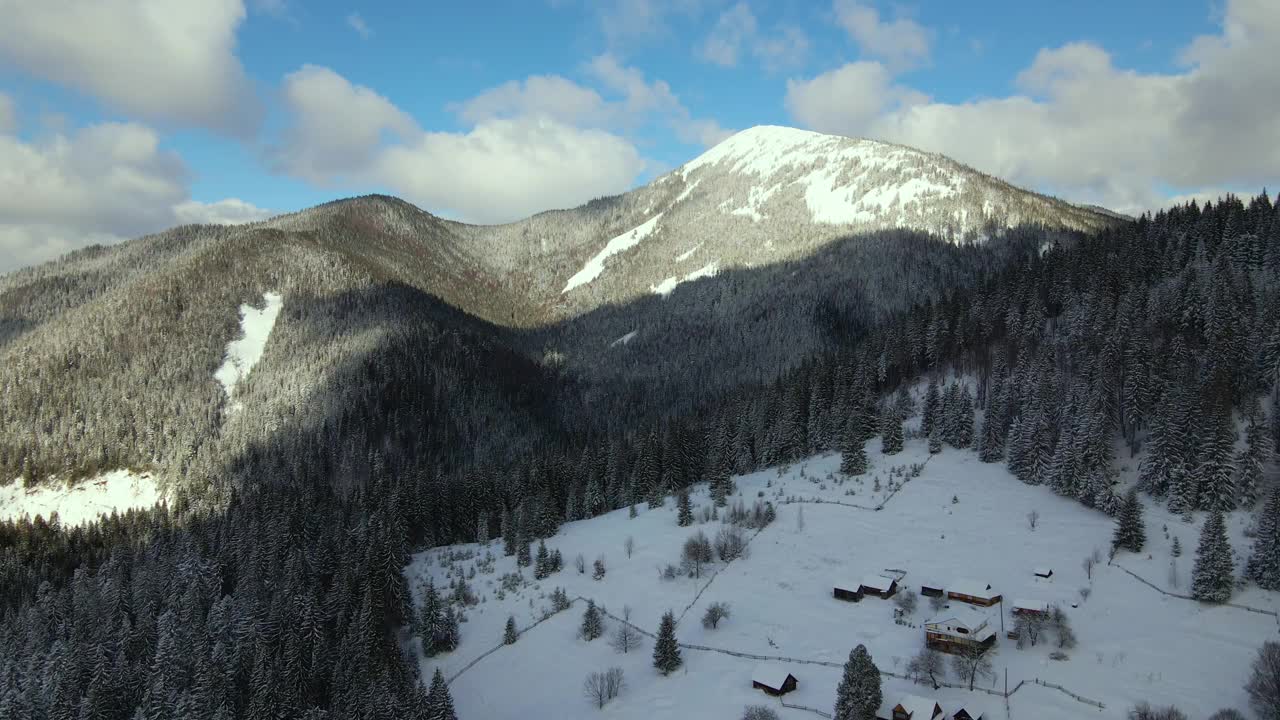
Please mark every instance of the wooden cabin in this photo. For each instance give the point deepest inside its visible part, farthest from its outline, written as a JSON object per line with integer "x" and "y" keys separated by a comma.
{"x": 968, "y": 714}
{"x": 1024, "y": 606}
{"x": 1044, "y": 572}
{"x": 879, "y": 586}
{"x": 773, "y": 679}
{"x": 959, "y": 627}
{"x": 932, "y": 590}
{"x": 974, "y": 593}
{"x": 852, "y": 592}
{"x": 910, "y": 707}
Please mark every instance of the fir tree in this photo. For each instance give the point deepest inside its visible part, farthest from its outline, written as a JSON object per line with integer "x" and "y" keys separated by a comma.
{"x": 557, "y": 561}
{"x": 932, "y": 406}
{"x": 935, "y": 443}
{"x": 1131, "y": 531}
{"x": 858, "y": 696}
{"x": 1252, "y": 459}
{"x": 853, "y": 458}
{"x": 524, "y": 557}
{"x": 1264, "y": 562}
{"x": 891, "y": 440}
{"x": 684, "y": 510}
{"x": 592, "y": 627}
{"x": 542, "y": 564}
{"x": 430, "y": 619}
{"x": 991, "y": 442}
{"x": 439, "y": 701}
{"x": 1217, "y": 470}
{"x": 666, "y": 652}
{"x": 1211, "y": 578}
{"x": 510, "y": 634}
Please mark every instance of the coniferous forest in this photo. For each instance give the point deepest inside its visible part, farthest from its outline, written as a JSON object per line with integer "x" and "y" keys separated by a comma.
{"x": 274, "y": 589}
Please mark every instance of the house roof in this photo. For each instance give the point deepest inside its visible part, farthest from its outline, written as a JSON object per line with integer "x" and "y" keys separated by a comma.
{"x": 770, "y": 675}
{"x": 876, "y": 582}
{"x": 975, "y": 713}
{"x": 972, "y": 588}
{"x": 1044, "y": 571}
{"x": 969, "y": 617}
{"x": 919, "y": 708}
{"x": 1033, "y": 605}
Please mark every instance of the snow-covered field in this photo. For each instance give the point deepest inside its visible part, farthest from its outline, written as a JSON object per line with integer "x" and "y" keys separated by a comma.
{"x": 1135, "y": 644}
{"x": 243, "y": 353}
{"x": 118, "y": 490}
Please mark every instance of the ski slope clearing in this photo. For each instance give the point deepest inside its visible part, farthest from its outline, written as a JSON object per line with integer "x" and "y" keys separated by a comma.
{"x": 118, "y": 490}
{"x": 242, "y": 354}
{"x": 958, "y": 518}
{"x": 621, "y": 243}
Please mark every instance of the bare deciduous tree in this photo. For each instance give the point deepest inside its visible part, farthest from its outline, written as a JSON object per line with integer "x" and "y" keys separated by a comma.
{"x": 1144, "y": 711}
{"x": 716, "y": 612}
{"x": 629, "y": 545}
{"x": 927, "y": 665}
{"x": 601, "y": 687}
{"x": 1264, "y": 685}
{"x": 907, "y": 600}
{"x": 970, "y": 662}
{"x": 759, "y": 712}
{"x": 625, "y": 638}
{"x": 1033, "y": 519}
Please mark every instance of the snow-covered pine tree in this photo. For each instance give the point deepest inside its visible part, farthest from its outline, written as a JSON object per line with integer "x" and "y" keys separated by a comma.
{"x": 447, "y": 636}
{"x": 666, "y": 652}
{"x": 1212, "y": 577}
{"x": 891, "y": 440}
{"x": 903, "y": 403}
{"x": 935, "y": 443}
{"x": 429, "y": 619}
{"x": 684, "y": 509}
{"x": 508, "y": 533}
{"x": 853, "y": 457}
{"x": 510, "y": 634}
{"x": 932, "y": 407}
{"x": 1131, "y": 531}
{"x": 858, "y": 696}
{"x": 1264, "y": 562}
{"x": 542, "y": 563}
{"x": 439, "y": 704}
{"x": 963, "y": 418}
{"x": 1217, "y": 469}
{"x": 592, "y": 627}
{"x": 1166, "y": 444}
{"x": 992, "y": 438}
{"x": 1252, "y": 459}
{"x": 524, "y": 556}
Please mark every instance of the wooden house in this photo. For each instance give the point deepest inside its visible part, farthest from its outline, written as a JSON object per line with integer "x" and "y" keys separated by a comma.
{"x": 968, "y": 714}
{"x": 959, "y": 627}
{"x": 910, "y": 707}
{"x": 1044, "y": 572}
{"x": 974, "y": 593}
{"x": 773, "y": 679}
{"x": 1024, "y": 606}
{"x": 878, "y": 585}
{"x": 851, "y": 592}
{"x": 932, "y": 590}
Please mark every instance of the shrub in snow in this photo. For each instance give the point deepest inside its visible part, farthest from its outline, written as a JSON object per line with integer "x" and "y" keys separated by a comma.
{"x": 716, "y": 612}
{"x": 731, "y": 543}
{"x": 1144, "y": 711}
{"x": 597, "y": 569}
{"x": 601, "y": 687}
{"x": 906, "y": 601}
{"x": 1057, "y": 655}
{"x": 759, "y": 712}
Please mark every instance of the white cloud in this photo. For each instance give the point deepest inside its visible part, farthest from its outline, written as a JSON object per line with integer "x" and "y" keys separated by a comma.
{"x": 901, "y": 43}
{"x": 98, "y": 184}
{"x": 8, "y": 116}
{"x": 229, "y": 211}
{"x": 502, "y": 169}
{"x": 358, "y": 24}
{"x": 167, "y": 60}
{"x": 1081, "y": 127}
{"x": 735, "y": 28}
{"x": 548, "y": 95}
{"x": 737, "y": 32}
{"x": 640, "y": 97}
{"x": 626, "y": 22}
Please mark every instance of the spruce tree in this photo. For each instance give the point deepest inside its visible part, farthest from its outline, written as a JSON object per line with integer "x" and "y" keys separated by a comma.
{"x": 932, "y": 405}
{"x": 524, "y": 557}
{"x": 666, "y": 652}
{"x": 429, "y": 619}
{"x": 891, "y": 440}
{"x": 684, "y": 510}
{"x": 1264, "y": 562}
{"x": 858, "y": 696}
{"x": 1211, "y": 578}
{"x": 1217, "y": 469}
{"x": 935, "y": 443}
{"x": 439, "y": 701}
{"x": 853, "y": 458}
{"x": 447, "y": 636}
{"x": 1131, "y": 532}
{"x": 592, "y": 627}
{"x": 1252, "y": 459}
{"x": 542, "y": 564}
{"x": 991, "y": 442}
{"x": 510, "y": 634}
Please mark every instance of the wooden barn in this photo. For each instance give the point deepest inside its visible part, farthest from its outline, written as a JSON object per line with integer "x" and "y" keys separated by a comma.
{"x": 974, "y": 593}
{"x": 932, "y": 590}
{"x": 1024, "y": 606}
{"x": 968, "y": 714}
{"x": 1044, "y": 573}
{"x": 910, "y": 707}
{"x": 959, "y": 627}
{"x": 773, "y": 679}
{"x": 851, "y": 592}
{"x": 878, "y": 585}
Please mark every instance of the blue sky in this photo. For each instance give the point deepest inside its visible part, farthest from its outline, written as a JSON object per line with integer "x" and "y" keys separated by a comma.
{"x": 119, "y": 117}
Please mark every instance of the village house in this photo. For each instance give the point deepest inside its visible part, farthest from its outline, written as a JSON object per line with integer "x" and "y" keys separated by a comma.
{"x": 968, "y": 714}
{"x": 1024, "y": 606}
{"x": 973, "y": 592}
{"x": 932, "y": 590}
{"x": 879, "y": 586}
{"x": 1044, "y": 573}
{"x": 910, "y": 707}
{"x": 959, "y": 627}
{"x": 851, "y": 592}
{"x": 773, "y": 679}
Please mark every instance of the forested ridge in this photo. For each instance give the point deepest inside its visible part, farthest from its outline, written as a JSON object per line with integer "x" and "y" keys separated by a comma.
{"x": 284, "y": 597}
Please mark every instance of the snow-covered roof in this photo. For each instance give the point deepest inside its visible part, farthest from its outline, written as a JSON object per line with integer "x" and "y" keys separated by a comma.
{"x": 1044, "y": 571}
{"x": 918, "y": 708}
{"x": 876, "y": 582}
{"x": 965, "y": 616}
{"x": 972, "y": 588}
{"x": 770, "y": 675}
{"x": 1033, "y": 605}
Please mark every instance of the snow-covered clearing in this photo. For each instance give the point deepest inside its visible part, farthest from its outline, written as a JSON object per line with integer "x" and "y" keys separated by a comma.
{"x": 245, "y": 352}
{"x": 688, "y": 253}
{"x": 666, "y": 286}
{"x": 621, "y": 243}
{"x": 1135, "y": 644}
{"x": 625, "y": 338}
{"x": 118, "y": 490}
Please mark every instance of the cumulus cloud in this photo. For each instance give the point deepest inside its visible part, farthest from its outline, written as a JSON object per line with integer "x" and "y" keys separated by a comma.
{"x": 1085, "y": 129}
{"x": 900, "y": 43}
{"x": 357, "y": 23}
{"x": 640, "y": 97}
{"x": 513, "y": 162}
{"x": 626, "y": 22}
{"x": 737, "y": 32}
{"x": 168, "y": 60}
{"x": 99, "y": 184}
{"x": 228, "y": 211}
{"x": 548, "y": 95}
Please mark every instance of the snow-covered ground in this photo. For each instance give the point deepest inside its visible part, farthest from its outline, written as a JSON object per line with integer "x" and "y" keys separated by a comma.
{"x": 245, "y": 352}
{"x": 621, "y": 243}
{"x": 118, "y": 490}
{"x": 1135, "y": 644}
